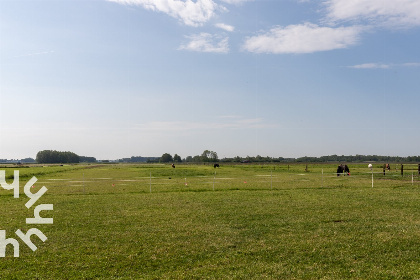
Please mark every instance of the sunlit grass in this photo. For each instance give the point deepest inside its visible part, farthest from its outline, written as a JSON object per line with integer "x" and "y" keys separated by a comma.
{"x": 236, "y": 222}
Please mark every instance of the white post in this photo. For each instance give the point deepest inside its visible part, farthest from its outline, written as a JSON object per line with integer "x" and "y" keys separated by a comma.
{"x": 372, "y": 178}
{"x": 150, "y": 182}
{"x": 412, "y": 178}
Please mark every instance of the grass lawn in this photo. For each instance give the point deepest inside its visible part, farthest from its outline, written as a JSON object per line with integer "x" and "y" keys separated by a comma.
{"x": 197, "y": 222}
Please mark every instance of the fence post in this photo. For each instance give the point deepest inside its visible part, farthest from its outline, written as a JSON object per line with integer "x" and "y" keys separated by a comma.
{"x": 372, "y": 178}
{"x": 150, "y": 184}
{"x": 402, "y": 170}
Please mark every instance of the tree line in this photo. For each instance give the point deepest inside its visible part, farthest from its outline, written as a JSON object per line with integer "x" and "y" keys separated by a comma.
{"x": 330, "y": 158}
{"x": 210, "y": 156}
{"x": 52, "y": 156}
{"x": 206, "y": 156}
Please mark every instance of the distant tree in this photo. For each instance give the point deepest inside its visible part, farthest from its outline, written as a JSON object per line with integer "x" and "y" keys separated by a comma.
{"x": 166, "y": 158}
{"x": 209, "y": 156}
{"x": 141, "y": 159}
{"x": 205, "y": 156}
{"x": 177, "y": 158}
{"x": 189, "y": 159}
{"x": 237, "y": 159}
{"x": 213, "y": 156}
{"x": 196, "y": 159}
{"x": 48, "y": 156}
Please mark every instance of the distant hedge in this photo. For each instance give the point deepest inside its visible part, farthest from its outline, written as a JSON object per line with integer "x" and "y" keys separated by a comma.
{"x": 48, "y": 156}
{"x": 331, "y": 158}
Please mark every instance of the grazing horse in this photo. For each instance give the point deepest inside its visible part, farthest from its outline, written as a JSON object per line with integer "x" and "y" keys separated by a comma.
{"x": 346, "y": 169}
{"x": 173, "y": 165}
{"x": 216, "y": 165}
{"x": 342, "y": 169}
{"x": 388, "y": 167}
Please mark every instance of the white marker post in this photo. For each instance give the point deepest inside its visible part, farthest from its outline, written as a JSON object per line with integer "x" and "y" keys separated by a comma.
{"x": 372, "y": 178}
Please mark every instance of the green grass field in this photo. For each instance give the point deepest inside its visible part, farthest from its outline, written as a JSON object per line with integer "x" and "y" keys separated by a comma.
{"x": 197, "y": 222}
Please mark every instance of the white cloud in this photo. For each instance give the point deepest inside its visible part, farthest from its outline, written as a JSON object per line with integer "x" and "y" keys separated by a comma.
{"x": 236, "y": 2}
{"x": 205, "y": 42}
{"x": 190, "y": 13}
{"x": 411, "y": 64}
{"x": 371, "y": 66}
{"x": 393, "y": 13}
{"x": 383, "y": 66}
{"x": 225, "y": 27}
{"x": 303, "y": 38}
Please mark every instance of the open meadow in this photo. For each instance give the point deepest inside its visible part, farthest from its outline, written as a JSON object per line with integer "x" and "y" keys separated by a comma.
{"x": 298, "y": 221}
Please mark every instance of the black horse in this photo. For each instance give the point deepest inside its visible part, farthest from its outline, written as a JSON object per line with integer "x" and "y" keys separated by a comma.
{"x": 216, "y": 165}
{"x": 343, "y": 168}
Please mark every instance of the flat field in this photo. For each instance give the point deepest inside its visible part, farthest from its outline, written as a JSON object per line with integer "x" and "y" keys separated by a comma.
{"x": 234, "y": 222}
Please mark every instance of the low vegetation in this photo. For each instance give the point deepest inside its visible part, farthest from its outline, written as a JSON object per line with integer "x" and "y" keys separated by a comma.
{"x": 244, "y": 221}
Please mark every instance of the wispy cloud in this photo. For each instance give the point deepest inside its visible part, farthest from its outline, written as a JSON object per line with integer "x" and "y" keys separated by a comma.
{"x": 363, "y": 15}
{"x": 303, "y": 38}
{"x": 371, "y": 66}
{"x": 236, "y": 2}
{"x": 391, "y": 13}
{"x": 333, "y": 31}
{"x": 383, "y": 66}
{"x": 205, "y": 42}
{"x": 225, "y": 27}
{"x": 189, "y": 12}
{"x": 411, "y": 64}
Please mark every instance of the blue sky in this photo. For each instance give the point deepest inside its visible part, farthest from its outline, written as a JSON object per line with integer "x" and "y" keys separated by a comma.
{"x": 289, "y": 78}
